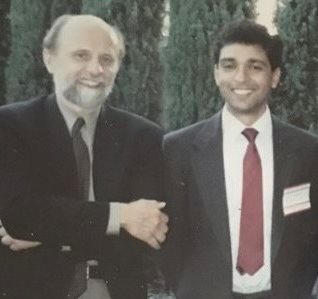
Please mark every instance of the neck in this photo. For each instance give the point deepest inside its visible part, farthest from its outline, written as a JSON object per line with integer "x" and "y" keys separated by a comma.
{"x": 248, "y": 119}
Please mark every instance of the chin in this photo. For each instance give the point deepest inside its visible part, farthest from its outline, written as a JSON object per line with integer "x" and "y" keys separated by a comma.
{"x": 91, "y": 103}
{"x": 90, "y": 98}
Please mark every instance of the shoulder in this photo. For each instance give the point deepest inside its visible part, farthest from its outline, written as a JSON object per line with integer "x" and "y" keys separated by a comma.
{"x": 178, "y": 144}
{"x": 298, "y": 135}
{"x": 22, "y": 112}
{"x": 130, "y": 122}
{"x": 184, "y": 137}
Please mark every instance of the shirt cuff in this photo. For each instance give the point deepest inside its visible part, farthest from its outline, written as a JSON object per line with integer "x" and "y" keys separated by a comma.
{"x": 113, "y": 227}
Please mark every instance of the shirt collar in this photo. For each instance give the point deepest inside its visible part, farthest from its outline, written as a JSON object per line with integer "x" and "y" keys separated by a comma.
{"x": 71, "y": 112}
{"x": 232, "y": 127}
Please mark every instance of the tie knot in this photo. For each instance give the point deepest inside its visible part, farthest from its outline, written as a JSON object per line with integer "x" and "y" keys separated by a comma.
{"x": 79, "y": 123}
{"x": 250, "y": 134}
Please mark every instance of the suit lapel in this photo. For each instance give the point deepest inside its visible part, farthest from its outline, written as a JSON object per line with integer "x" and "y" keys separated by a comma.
{"x": 108, "y": 165}
{"x": 207, "y": 163}
{"x": 59, "y": 145}
{"x": 284, "y": 161}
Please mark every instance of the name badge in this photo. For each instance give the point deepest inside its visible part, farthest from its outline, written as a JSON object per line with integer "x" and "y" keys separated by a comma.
{"x": 296, "y": 199}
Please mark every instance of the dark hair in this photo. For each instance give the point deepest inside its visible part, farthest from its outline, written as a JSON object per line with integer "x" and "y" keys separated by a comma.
{"x": 250, "y": 33}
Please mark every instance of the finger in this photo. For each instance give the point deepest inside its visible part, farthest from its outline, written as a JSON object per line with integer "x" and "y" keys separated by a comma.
{"x": 153, "y": 243}
{"x": 164, "y": 218}
{"x": 144, "y": 200}
{"x": 2, "y": 232}
{"x": 21, "y": 244}
{"x": 164, "y": 229}
{"x": 161, "y": 204}
{"x": 18, "y": 245}
{"x": 160, "y": 237}
{"x": 6, "y": 240}
{"x": 160, "y": 233}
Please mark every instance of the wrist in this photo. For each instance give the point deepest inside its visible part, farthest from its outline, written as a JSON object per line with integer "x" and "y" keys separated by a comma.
{"x": 123, "y": 214}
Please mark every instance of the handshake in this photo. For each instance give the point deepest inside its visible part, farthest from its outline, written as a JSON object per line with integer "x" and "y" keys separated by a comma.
{"x": 143, "y": 219}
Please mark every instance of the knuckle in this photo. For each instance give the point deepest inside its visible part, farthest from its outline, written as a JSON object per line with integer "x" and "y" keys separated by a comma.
{"x": 13, "y": 247}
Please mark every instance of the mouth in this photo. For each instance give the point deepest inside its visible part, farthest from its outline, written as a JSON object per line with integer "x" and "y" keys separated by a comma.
{"x": 241, "y": 91}
{"x": 90, "y": 83}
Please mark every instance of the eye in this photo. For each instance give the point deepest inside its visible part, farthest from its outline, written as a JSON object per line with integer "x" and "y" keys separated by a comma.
{"x": 257, "y": 67}
{"x": 81, "y": 56}
{"x": 228, "y": 66}
{"x": 106, "y": 60}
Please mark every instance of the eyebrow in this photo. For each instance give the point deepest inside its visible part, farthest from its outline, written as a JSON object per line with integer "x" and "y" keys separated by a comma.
{"x": 262, "y": 62}
{"x": 223, "y": 60}
{"x": 252, "y": 60}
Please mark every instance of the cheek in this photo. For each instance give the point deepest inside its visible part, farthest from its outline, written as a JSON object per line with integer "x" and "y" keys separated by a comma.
{"x": 73, "y": 71}
{"x": 223, "y": 85}
{"x": 111, "y": 73}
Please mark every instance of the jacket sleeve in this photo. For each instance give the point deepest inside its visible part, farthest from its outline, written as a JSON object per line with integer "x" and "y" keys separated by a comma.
{"x": 175, "y": 249}
{"x": 29, "y": 211}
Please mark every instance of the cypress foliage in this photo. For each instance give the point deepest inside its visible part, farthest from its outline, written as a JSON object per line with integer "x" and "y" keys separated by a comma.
{"x": 190, "y": 91}
{"x": 99, "y": 8}
{"x": 60, "y": 7}
{"x": 297, "y": 97}
{"x": 139, "y": 83}
{"x": 4, "y": 45}
{"x": 25, "y": 73}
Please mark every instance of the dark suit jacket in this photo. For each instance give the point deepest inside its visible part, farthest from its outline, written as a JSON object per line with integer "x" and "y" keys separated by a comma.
{"x": 39, "y": 198}
{"x": 198, "y": 261}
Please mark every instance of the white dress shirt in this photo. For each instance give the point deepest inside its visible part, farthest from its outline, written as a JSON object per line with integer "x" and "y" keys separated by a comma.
{"x": 96, "y": 288}
{"x": 70, "y": 114}
{"x": 234, "y": 148}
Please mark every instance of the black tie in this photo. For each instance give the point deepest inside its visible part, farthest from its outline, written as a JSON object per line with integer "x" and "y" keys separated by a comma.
{"x": 82, "y": 159}
{"x": 79, "y": 282}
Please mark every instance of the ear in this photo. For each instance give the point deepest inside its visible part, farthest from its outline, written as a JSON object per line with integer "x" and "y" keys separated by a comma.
{"x": 47, "y": 59}
{"x": 216, "y": 74}
{"x": 276, "y": 77}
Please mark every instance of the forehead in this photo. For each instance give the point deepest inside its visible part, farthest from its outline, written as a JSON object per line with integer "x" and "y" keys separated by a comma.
{"x": 89, "y": 35}
{"x": 243, "y": 53}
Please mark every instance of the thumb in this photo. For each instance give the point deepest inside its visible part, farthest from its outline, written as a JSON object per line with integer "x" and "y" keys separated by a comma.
{"x": 161, "y": 204}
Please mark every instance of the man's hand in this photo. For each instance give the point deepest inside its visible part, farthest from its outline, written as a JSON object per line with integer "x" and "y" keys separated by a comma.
{"x": 15, "y": 244}
{"x": 144, "y": 220}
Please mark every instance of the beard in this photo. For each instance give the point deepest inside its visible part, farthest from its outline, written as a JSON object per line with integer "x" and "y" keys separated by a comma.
{"x": 86, "y": 97}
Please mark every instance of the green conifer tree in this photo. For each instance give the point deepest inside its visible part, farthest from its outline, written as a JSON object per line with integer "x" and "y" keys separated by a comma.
{"x": 60, "y": 7}
{"x": 25, "y": 74}
{"x": 190, "y": 91}
{"x": 139, "y": 84}
{"x": 4, "y": 45}
{"x": 297, "y": 97}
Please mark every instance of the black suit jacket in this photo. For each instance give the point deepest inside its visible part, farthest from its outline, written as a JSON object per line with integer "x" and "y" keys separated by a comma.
{"x": 39, "y": 198}
{"x": 198, "y": 261}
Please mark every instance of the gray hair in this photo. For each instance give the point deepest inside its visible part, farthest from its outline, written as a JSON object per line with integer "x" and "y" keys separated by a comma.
{"x": 51, "y": 37}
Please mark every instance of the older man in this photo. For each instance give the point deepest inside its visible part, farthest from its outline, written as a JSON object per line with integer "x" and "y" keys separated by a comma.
{"x": 74, "y": 173}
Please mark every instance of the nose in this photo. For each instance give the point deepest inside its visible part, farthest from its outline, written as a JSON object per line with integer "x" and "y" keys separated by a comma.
{"x": 240, "y": 74}
{"x": 94, "y": 67}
